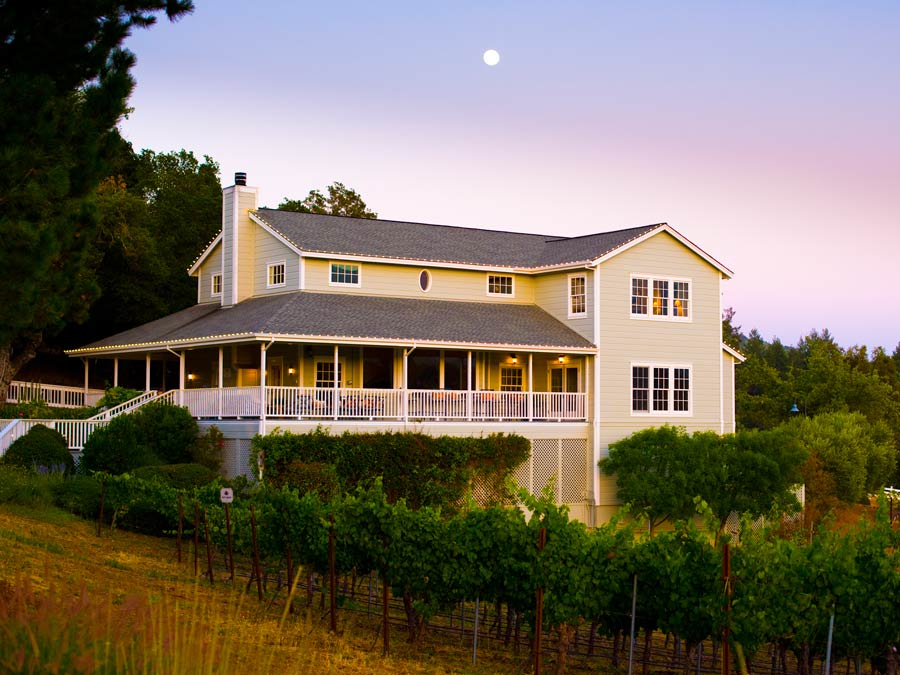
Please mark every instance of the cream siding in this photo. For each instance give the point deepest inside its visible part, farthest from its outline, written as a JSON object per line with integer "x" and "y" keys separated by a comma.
{"x": 212, "y": 265}
{"x": 403, "y": 281}
{"x": 227, "y": 245}
{"x": 623, "y": 341}
{"x": 248, "y": 232}
{"x": 728, "y": 363}
{"x": 270, "y": 251}
{"x": 551, "y": 293}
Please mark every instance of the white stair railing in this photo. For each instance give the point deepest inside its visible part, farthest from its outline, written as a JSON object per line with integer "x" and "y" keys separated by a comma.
{"x": 127, "y": 406}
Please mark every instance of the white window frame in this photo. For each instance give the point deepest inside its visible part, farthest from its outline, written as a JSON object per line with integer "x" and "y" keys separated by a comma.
{"x": 512, "y": 285}
{"x": 212, "y": 285}
{"x": 345, "y": 284}
{"x": 571, "y": 296}
{"x": 270, "y": 274}
{"x": 342, "y": 372}
{"x": 521, "y": 376}
{"x": 670, "y": 396}
{"x": 670, "y": 300}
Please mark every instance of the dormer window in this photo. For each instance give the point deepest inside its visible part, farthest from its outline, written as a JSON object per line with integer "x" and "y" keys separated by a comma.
{"x": 344, "y": 274}
{"x": 660, "y": 298}
{"x": 216, "y": 284}
{"x": 275, "y": 275}
{"x": 500, "y": 284}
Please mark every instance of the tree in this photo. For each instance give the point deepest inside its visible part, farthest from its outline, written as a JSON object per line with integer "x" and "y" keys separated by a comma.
{"x": 341, "y": 201}
{"x": 731, "y": 334}
{"x": 64, "y": 83}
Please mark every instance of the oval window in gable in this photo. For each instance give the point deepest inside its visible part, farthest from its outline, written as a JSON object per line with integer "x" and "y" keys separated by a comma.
{"x": 425, "y": 280}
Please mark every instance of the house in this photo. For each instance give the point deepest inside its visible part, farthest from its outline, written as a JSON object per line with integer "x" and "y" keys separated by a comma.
{"x": 305, "y": 320}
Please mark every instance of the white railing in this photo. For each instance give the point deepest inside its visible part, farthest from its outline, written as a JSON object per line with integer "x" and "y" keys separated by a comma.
{"x": 52, "y": 394}
{"x": 75, "y": 432}
{"x": 127, "y": 407}
{"x": 373, "y": 404}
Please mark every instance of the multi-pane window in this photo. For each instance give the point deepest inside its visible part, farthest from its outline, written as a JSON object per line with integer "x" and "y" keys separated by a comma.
{"x": 216, "y": 284}
{"x": 671, "y": 299}
{"x": 577, "y": 295}
{"x": 510, "y": 379}
{"x": 275, "y": 275}
{"x": 345, "y": 274}
{"x": 325, "y": 373}
{"x": 638, "y": 296}
{"x": 660, "y": 390}
{"x": 500, "y": 284}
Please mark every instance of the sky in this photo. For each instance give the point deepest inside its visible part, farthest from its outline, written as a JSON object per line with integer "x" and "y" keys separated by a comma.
{"x": 768, "y": 133}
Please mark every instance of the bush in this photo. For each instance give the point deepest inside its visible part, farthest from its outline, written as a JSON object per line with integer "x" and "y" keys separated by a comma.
{"x": 41, "y": 449}
{"x": 28, "y": 410}
{"x": 306, "y": 477}
{"x": 116, "y": 448}
{"x": 78, "y": 494}
{"x": 114, "y": 396}
{"x": 18, "y": 486}
{"x": 180, "y": 476}
{"x": 168, "y": 430}
{"x": 207, "y": 449}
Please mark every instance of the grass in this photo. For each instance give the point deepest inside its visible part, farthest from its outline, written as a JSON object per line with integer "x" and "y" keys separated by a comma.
{"x": 71, "y": 602}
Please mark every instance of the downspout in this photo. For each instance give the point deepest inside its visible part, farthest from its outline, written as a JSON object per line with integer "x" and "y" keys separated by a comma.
{"x": 595, "y": 394}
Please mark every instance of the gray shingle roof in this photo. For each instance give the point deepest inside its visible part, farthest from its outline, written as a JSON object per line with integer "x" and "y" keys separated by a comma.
{"x": 343, "y": 315}
{"x": 440, "y": 243}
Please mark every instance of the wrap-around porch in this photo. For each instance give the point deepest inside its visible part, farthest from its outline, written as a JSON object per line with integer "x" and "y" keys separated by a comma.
{"x": 304, "y": 381}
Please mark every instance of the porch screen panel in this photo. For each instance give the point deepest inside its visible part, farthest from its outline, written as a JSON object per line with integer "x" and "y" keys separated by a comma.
{"x": 455, "y": 364}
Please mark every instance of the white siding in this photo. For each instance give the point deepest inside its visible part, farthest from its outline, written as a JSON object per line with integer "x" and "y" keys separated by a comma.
{"x": 728, "y": 364}
{"x": 551, "y": 293}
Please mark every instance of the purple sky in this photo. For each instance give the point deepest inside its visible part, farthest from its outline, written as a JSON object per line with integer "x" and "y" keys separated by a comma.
{"x": 767, "y": 133}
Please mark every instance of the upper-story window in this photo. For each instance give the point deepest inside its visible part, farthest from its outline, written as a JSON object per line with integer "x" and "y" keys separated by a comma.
{"x": 275, "y": 275}
{"x": 216, "y": 284}
{"x": 660, "y": 298}
{"x": 344, "y": 274}
{"x": 660, "y": 390}
{"x": 500, "y": 284}
{"x": 577, "y": 295}
{"x": 425, "y": 280}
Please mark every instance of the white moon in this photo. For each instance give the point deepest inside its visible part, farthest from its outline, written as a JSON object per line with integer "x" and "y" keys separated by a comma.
{"x": 492, "y": 57}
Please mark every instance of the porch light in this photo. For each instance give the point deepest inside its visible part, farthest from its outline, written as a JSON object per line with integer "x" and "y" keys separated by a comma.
{"x": 513, "y": 358}
{"x": 191, "y": 376}
{"x": 291, "y": 370}
{"x": 561, "y": 358}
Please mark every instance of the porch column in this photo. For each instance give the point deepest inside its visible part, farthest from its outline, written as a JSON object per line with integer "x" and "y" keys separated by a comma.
{"x": 116, "y": 371}
{"x": 221, "y": 375}
{"x": 87, "y": 372}
{"x": 530, "y": 388}
{"x": 441, "y": 370}
{"x": 469, "y": 385}
{"x": 147, "y": 375}
{"x": 181, "y": 365}
{"x": 262, "y": 387}
{"x": 403, "y": 385}
{"x": 337, "y": 380}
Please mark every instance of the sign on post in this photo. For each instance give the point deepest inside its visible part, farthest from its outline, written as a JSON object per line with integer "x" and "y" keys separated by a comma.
{"x": 226, "y": 495}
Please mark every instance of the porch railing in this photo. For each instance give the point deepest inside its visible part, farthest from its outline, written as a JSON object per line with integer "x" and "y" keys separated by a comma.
{"x": 75, "y": 432}
{"x": 376, "y": 404}
{"x": 54, "y": 395}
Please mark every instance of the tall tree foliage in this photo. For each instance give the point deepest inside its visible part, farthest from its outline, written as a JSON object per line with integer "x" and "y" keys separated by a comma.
{"x": 64, "y": 83}
{"x": 341, "y": 201}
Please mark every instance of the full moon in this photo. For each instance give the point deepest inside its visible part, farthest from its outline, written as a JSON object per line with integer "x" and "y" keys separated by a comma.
{"x": 492, "y": 57}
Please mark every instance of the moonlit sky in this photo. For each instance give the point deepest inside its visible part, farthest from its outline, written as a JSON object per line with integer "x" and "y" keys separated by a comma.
{"x": 768, "y": 133}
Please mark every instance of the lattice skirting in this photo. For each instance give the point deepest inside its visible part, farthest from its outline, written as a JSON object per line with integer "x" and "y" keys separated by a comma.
{"x": 562, "y": 461}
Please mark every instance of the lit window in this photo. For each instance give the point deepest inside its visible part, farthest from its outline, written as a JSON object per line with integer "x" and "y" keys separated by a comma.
{"x": 510, "y": 379}
{"x": 500, "y": 284}
{"x": 275, "y": 275}
{"x": 660, "y": 390}
{"x": 344, "y": 274}
{"x": 577, "y": 295}
{"x": 216, "y": 284}
{"x": 671, "y": 298}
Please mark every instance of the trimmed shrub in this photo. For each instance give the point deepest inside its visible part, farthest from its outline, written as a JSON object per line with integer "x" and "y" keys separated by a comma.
{"x": 116, "y": 448}
{"x": 181, "y": 476}
{"x": 168, "y": 431}
{"x": 114, "y": 396}
{"x": 43, "y": 450}
{"x": 208, "y": 447}
{"x": 79, "y": 495}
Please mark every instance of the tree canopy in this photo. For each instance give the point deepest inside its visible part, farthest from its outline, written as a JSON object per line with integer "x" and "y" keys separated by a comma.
{"x": 64, "y": 84}
{"x": 341, "y": 201}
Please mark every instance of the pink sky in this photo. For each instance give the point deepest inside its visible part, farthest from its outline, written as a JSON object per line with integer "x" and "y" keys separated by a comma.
{"x": 767, "y": 134}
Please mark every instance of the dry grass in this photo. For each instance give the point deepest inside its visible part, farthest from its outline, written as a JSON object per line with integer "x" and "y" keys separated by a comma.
{"x": 121, "y": 603}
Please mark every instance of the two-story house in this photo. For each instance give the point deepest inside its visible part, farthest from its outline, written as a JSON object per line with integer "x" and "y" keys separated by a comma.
{"x": 305, "y": 320}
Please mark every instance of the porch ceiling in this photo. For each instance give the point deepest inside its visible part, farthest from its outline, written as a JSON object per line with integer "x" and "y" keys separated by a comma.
{"x": 307, "y": 316}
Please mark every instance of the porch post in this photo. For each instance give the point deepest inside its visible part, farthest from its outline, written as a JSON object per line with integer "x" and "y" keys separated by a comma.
{"x": 469, "y": 385}
{"x": 441, "y": 370}
{"x": 181, "y": 364}
{"x": 337, "y": 379}
{"x": 147, "y": 375}
{"x": 403, "y": 385}
{"x": 262, "y": 387}
{"x": 221, "y": 375}
{"x": 87, "y": 370}
{"x": 116, "y": 371}
{"x": 530, "y": 387}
